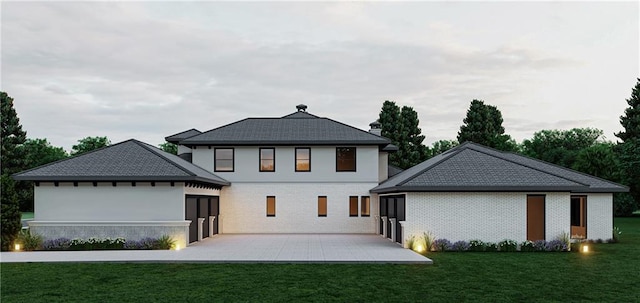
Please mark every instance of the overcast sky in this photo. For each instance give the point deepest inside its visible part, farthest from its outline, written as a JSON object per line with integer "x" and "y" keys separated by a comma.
{"x": 147, "y": 70}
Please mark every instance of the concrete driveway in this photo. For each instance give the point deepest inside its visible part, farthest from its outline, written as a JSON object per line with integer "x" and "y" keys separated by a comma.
{"x": 249, "y": 248}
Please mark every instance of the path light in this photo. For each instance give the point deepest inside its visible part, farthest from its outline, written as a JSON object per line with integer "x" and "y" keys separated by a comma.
{"x": 176, "y": 247}
{"x": 419, "y": 248}
{"x": 17, "y": 247}
{"x": 585, "y": 248}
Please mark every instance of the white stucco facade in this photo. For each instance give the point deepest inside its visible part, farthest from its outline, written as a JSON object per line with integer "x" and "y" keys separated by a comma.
{"x": 243, "y": 208}
{"x": 104, "y": 210}
{"x": 496, "y": 216}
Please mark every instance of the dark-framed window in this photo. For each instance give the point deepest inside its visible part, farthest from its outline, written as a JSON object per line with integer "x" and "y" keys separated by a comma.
{"x": 322, "y": 206}
{"x": 345, "y": 159}
{"x": 271, "y": 206}
{"x": 303, "y": 159}
{"x": 267, "y": 159}
{"x": 365, "y": 206}
{"x": 353, "y": 206}
{"x": 223, "y": 159}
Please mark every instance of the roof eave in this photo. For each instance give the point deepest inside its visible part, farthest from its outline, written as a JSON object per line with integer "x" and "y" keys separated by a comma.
{"x": 281, "y": 143}
{"x": 121, "y": 179}
{"x": 573, "y": 189}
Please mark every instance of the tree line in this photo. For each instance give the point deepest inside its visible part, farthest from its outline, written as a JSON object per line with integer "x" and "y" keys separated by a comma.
{"x": 581, "y": 149}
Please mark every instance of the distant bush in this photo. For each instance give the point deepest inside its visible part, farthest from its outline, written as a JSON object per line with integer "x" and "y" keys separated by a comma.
{"x": 508, "y": 245}
{"x": 460, "y": 246}
{"x": 442, "y": 245}
{"x": 476, "y": 245}
{"x": 527, "y": 246}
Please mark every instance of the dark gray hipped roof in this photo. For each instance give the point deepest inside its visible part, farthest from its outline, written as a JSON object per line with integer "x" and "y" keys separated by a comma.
{"x": 299, "y": 128}
{"x": 473, "y": 167}
{"x": 182, "y": 135}
{"x": 130, "y": 160}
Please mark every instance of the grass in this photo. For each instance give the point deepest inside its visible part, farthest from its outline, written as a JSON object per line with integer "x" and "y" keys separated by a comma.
{"x": 608, "y": 274}
{"x": 27, "y": 215}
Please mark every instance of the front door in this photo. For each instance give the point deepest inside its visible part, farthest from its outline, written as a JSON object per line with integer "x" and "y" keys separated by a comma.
{"x": 535, "y": 217}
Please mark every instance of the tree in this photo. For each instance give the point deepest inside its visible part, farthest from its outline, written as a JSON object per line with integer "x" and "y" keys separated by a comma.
{"x": 629, "y": 148}
{"x": 169, "y": 147}
{"x": 39, "y": 152}
{"x": 598, "y": 160}
{"x": 483, "y": 125}
{"x": 560, "y": 147}
{"x": 12, "y": 137}
{"x": 401, "y": 127}
{"x": 9, "y": 213}
{"x": 441, "y": 146}
{"x": 88, "y": 144}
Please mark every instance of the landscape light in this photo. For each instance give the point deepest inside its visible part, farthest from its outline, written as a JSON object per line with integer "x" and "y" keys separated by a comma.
{"x": 419, "y": 248}
{"x": 585, "y": 248}
{"x": 17, "y": 247}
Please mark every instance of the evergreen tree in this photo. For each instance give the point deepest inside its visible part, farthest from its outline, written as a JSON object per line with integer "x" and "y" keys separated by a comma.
{"x": 401, "y": 127}
{"x": 629, "y": 148}
{"x": 9, "y": 213}
{"x": 12, "y": 137}
{"x": 441, "y": 146}
{"x": 483, "y": 125}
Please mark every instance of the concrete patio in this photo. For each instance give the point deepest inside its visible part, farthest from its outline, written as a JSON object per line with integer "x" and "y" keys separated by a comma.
{"x": 248, "y": 248}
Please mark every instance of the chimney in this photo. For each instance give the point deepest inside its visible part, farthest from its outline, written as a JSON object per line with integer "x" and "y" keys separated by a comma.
{"x": 301, "y": 107}
{"x": 376, "y": 128}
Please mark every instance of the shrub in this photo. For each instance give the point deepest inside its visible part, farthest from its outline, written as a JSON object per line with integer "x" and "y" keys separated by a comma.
{"x": 57, "y": 244}
{"x": 476, "y": 245}
{"x": 489, "y": 246}
{"x": 565, "y": 238}
{"x": 428, "y": 239}
{"x": 599, "y": 241}
{"x": 442, "y": 245}
{"x": 144, "y": 243}
{"x": 460, "y": 246}
{"x": 410, "y": 242}
{"x": 527, "y": 246}
{"x": 508, "y": 245}
{"x": 165, "y": 242}
{"x": 29, "y": 241}
{"x": 616, "y": 235}
{"x": 540, "y": 245}
{"x": 556, "y": 245}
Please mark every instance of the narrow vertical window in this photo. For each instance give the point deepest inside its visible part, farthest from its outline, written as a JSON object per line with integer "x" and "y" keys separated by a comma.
{"x": 364, "y": 207}
{"x": 353, "y": 206}
{"x": 346, "y": 159}
{"x": 271, "y": 206}
{"x": 322, "y": 206}
{"x": 267, "y": 159}
{"x": 223, "y": 159}
{"x": 303, "y": 159}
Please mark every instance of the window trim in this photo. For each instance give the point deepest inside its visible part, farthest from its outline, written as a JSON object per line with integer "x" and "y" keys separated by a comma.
{"x": 355, "y": 159}
{"x": 362, "y": 203}
{"x": 295, "y": 159}
{"x": 351, "y": 200}
{"x": 260, "y": 159}
{"x": 325, "y": 206}
{"x": 215, "y": 159}
{"x": 274, "y": 206}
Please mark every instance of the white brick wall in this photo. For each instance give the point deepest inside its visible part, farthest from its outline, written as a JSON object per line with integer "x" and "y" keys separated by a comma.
{"x": 243, "y": 208}
{"x": 486, "y": 216}
{"x": 599, "y": 216}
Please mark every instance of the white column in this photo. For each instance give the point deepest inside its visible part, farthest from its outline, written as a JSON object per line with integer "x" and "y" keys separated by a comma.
{"x": 211, "y": 220}
{"x": 384, "y": 226}
{"x": 200, "y": 228}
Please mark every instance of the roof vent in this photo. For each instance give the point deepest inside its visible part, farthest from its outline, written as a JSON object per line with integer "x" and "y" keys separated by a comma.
{"x": 301, "y": 107}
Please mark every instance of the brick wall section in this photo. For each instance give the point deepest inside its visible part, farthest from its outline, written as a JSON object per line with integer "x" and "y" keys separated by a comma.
{"x": 497, "y": 216}
{"x": 599, "y": 216}
{"x": 243, "y": 208}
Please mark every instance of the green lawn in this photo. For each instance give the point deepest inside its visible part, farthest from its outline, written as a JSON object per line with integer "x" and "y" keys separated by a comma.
{"x": 610, "y": 273}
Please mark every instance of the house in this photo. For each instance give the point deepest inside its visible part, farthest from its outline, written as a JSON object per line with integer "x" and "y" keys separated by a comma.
{"x": 301, "y": 173}
{"x": 475, "y": 192}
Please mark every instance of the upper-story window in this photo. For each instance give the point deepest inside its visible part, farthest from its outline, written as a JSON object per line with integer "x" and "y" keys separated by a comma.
{"x": 303, "y": 159}
{"x": 346, "y": 159}
{"x": 267, "y": 159}
{"x": 223, "y": 159}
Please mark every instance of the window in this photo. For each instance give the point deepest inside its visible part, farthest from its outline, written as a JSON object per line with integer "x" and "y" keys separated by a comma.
{"x": 346, "y": 159}
{"x": 267, "y": 159}
{"x": 303, "y": 159}
{"x": 353, "y": 206}
{"x": 364, "y": 206}
{"x": 322, "y": 206}
{"x": 578, "y": 217}
{"x": 223, "y": 159}
{"x": 271, "y": 206}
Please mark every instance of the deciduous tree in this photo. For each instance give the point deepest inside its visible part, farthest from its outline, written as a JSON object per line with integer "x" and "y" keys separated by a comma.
{"x": 88, "y": 144}
{"x": 560, "y": 147}
{"x": 169, "y": 147}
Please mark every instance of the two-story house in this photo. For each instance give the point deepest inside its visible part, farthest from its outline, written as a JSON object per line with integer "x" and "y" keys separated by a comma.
{"x": 305, "y": 174}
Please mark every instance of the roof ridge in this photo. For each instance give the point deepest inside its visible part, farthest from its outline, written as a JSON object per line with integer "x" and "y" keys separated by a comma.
{"x": 182, "y": 132}
{"x": 361, "y": 130}
{"x": 430, "y": 167}
{"x": 217, "y": 128}
{"x": 158, "y": 152}
{"x": 522, "y": 164}
{"x": 72, "y": 157}
{"x": 291, "y": 114}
